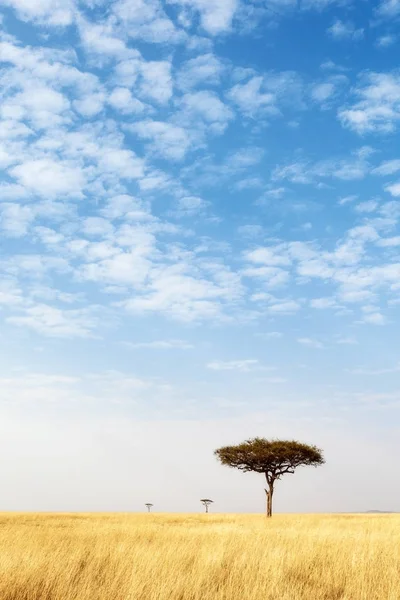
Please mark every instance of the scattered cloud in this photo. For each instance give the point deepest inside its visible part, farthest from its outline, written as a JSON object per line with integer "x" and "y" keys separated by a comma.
{"x": 388, "y": 167}
{"x": 271, "y": 335}
{"x": 307, "y": 172}
{"x": 346, "y": 341}
{"x": 322, "y": 303}
{"x": 161, "y": 345}
{"x": 345, "y": 30}
{"x": 215, "y": 18}
{"x": 58, "y": 13}
{"x": 388, "y": 9}
{"x": 375, "y": 318}
{"x": 242, "y": 366}
{"x": 377, "y": 105}
{"x": 147, "y": 21}
{"x": 393, "y": 189}
{"x": 368, "y": 206}
{"x": 370, "y": 371}
{"x": 54, "y": 322}
{"x": 167, "y": 140}
{"x": 385, "y": 41}
{"x": 311, "y": 343}
{"x": 265, "y": 96}
{"x": 205, "y": 69}
{"x": 46, "y": 177}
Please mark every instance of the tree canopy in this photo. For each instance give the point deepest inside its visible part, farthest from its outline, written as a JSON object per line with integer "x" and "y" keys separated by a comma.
{"x": 273, "y": 458}
{"x": 206, "y": 502}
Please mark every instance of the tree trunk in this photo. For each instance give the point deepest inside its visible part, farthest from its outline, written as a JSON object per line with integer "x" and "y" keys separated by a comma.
{"x": 269, "y": 492}
{"x": 206, "y": 508}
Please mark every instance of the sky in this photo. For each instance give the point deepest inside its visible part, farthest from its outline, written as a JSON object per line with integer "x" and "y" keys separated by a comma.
{"x": 199, "y": 218}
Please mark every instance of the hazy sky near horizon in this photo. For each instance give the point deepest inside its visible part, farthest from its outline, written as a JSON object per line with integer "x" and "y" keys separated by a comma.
{"x": 199, "y": 219}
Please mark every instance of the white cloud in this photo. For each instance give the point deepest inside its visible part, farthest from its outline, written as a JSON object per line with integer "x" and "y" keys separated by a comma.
{"x": 347, "y": 199}
{"x": 91, "y": 105}
{"x": 393, "y": 189}
{"x": 49, "y": 178}
{"x": 389, "y": 242}
{"x": 388, "y": 167}
{"x": 345, "y": 30}
{"x": 389, "y": 8}
{"x": 44, "y": 12}
{"x": 370, "y": 371}
{"x": 270, "y": 277}
{"x": 269, "y": 256}
{"x": 43, "y": 106}
{"x": 161, "y": 345}
{"x": 15, "y": 219}
{"x": 322, "y": 303}
{"x": 206, "y": 107}
{"x": 156, "y": 81}
{"x": 307, "y": 172}
{"x": 101, "y": 39}
{"x": 205, "y": 69}
{"x": 376, "y": 318}
{"x": 251, "y": 100}
{"x": 54, "y": 322}
{"x": 121, "y": 162}
{"x": 216, "y": 17}
{"x": 191, "y": 205}
{"x": 97, "y": 227}
{"x": 378, "y": 106}
{"x": 10, "y": 294}
{"x": 126, "y": 207}
{"x": 114, "y": 266}
{"x": 250, "y": 231}
{"x": 346, "y": 341}
{"x": 323, "y": 4}
{"x": 122, "y": 100}
{"x": 368, "y": 206}
{"x": 244, "y": 158}
{"x": 127, "y": 71}
{"x": 167, "y": 140}
{"x": 327, "y": 92}
{"x": 310, "y": 342}
{"x": 385, "y": 41}
{"x": 321, "y": 92}
{"x": 187, "y": 293}
{"x": 270, "y": 335}
{"x": 243, "y": 366}
{"x": 146, "y": 20}
{"x": 285, "y": 307}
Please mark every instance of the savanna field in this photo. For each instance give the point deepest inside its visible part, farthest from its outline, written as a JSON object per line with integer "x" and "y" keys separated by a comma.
{"x": 199, "y": 557}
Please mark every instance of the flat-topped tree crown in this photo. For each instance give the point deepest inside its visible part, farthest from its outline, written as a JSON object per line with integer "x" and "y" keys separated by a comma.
{"x": 206, "y": 502}
{"x": 273, "y": 458}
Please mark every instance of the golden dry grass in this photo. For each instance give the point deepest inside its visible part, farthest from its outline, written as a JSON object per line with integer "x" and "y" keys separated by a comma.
{"x": 199, "y": 557}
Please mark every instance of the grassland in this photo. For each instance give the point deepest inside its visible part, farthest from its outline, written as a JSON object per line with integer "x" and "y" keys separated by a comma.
{"x": 199, "y": 557}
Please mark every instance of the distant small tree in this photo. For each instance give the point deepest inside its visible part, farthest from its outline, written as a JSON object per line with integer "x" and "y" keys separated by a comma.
{"x": 273, "y": 458}
{"x": 148, "y": 506}
{"x": 206, "y": 502}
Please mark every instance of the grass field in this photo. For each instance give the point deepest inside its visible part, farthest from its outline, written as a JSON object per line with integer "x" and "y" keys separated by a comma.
{"x": 199, "y": 557}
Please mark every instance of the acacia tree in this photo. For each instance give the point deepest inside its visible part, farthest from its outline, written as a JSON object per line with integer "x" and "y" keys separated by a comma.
{"x": 273, "y": 458}
{"x": 148, "y": 506}
{"x": 206, "y": 502}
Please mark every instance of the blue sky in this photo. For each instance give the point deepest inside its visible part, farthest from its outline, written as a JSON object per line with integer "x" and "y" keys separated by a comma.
{"x": 199, "y": 214}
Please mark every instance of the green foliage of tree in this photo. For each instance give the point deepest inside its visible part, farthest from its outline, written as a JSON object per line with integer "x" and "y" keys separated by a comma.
{"x": 273, "y": 458}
